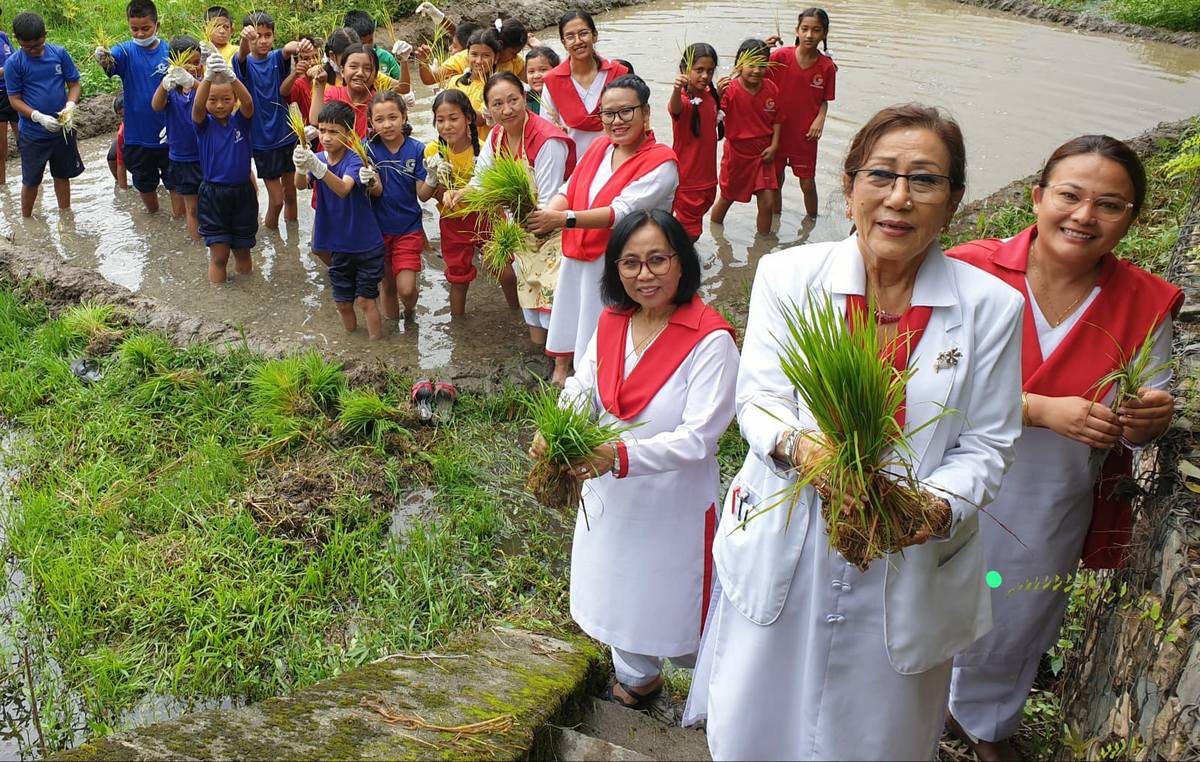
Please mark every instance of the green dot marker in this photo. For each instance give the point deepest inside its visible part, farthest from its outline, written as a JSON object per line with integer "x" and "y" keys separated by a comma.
{"x": 994, "y": 580}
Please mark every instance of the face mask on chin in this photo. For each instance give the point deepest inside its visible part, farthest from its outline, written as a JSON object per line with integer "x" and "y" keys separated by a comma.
{"x": 147, "y": 42}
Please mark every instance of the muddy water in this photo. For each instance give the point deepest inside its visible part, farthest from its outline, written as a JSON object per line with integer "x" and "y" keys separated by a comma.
{"x": 1017, "y": 87}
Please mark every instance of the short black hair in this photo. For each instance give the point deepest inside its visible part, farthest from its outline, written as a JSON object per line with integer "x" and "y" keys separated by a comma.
{"x": 624, "y": 63}
{"x": 464, "y": 30}
{"x": 360, "y": 21}
{"x": 259, "y": 18}
{"x": 141, "y": 9}
{"x": 513, "y": 35}
{"x": 217, "y": 12}
{"x": 337, "y": 112}
{"x": 183, "y": 43}
{"x": 613, "y": 290}
{"x": 542, "y": 51}
{"x": 28, "y": 27}
{"x": 631, "y": 82}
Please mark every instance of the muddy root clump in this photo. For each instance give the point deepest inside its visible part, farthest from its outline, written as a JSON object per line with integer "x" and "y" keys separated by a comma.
{"x": 553, "y": 487}
{"x": 864, "y": 536}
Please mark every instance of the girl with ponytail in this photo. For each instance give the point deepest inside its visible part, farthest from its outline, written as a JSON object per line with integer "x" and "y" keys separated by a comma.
{"x": 695, "y": 127}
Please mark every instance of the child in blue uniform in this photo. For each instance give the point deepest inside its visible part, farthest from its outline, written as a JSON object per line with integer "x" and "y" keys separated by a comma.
{"x": 175, "y": 96}
{"x": 344, "y": 223}
{"x": 42, "y": 84}
{"x": 141, "y": 63}
{"x": 228, "y": 203}
{"x": 8, "y": 115}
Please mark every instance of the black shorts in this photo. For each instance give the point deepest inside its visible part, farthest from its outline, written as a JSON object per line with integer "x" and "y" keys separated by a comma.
{"x": 59, "y": 151}
{"x": 147, "y": 166}
{"x": 184, "y": 177}
{"x": 228, "y": 214}
{"x": 7, "y": 112}
{"x": 356, "y": 275}
{"x": 274, "y": 163}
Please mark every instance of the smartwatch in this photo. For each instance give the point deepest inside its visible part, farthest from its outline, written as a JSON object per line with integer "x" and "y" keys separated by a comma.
{"x": 571, "y": 221}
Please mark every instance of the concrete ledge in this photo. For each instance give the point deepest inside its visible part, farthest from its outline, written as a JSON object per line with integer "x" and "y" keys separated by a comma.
{"x": 534, "y": 679}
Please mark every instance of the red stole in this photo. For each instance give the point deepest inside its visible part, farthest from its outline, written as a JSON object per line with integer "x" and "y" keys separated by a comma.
{"x": 589, "y": 244}
{"x": 625, "y": 397}
{"x": 537, "y": 131}
{"x": 1130, "y": 302}
{"x": 908, "y": 334}
{"x": 566, "y": 98}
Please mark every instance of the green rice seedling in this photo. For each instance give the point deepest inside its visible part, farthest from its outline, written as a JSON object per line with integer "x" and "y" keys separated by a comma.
{"x": 278, "y": 386}
{"x": 507, "y": 184}
{"x": 751, "y": 59}
{"x": 872, "y": 502}
{"x": 360, "y": 147}
{"x": 1133, "y": 373}
{"x": 323, "y": 381}
{"x": 297, "y": 123}
{"x": 506, "y": 239}
{"x": 688, "y": 57}
{"x": 102, "y": 38}
{"x": 85, "y": 321}
{"x": 365, "y": 413}
{"x": 145, "y": 354}
{"x": 439, "y": 46}
{"x": 180, "y": 58}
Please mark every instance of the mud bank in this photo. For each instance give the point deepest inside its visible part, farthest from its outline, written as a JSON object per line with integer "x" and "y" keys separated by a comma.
{"x": 1087, "y": 22}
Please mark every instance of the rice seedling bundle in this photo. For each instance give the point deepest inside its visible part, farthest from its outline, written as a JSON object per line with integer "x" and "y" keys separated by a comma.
{"x": 506, "y": 240}
{"x": 354, "y": 143}
{"x": 506, "y": 185}
{"x": 1135, "y": 372}
{"x": 180, "y": 58}
{"x": 297, "y": 123}
{"x": 103, "y": 39}
{"x": 439, "y": 46}
{"x": 751, "y": 59}
{"x": 854, "y": 395}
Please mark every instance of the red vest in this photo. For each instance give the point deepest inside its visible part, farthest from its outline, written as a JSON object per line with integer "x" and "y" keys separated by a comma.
{"x": 589, "y": 244}
{"x": 566, "y": 98}
{"x": 537, "y": 131}
{"x": 1130, "y": 301}
{"x": 625, "y": 397}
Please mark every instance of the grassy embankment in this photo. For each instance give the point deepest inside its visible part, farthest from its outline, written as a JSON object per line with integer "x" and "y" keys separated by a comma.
{"x": 77, "y": 25}
{"x": 1175, "y": 15}
{"x": 200, "y": 525}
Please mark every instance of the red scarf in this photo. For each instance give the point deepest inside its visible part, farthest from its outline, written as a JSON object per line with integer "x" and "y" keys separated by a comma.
{"x": 589, "y": 244}
{"x": 537, "y": 131}
{"x": 625, "y": 397}
{"x": 908, "y": 334}
{"x": 566, "y": 98}
{"x": 1130, "y": 301}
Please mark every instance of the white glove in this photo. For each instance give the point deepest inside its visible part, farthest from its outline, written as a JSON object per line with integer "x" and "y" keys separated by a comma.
{"x": 104, "y": 58}
{"x": 430, "y": 11}
{"x": 69, "y": 109}
{"x": 410, "y": 99}
{"x": 434, "y": 164}
{"x": 46, "y": 121}
{"x": 217, "y": 67}
{"x": 168, "y": 80}
{"x": 311, "y": 133}
{"x": 368, "y": 175}
{"x": 401, "y": 49}
{"x": 206, "y": 49}
{"x": 185, "y": 79}
{"x": 307, "y": 161}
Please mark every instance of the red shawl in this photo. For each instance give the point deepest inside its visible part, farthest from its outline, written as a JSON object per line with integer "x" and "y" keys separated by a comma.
{"x": 566, "y": 98}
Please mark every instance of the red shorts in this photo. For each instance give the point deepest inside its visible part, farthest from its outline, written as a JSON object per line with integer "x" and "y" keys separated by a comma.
{"x": 460, "y": 237}
{"x": 743, "y": 174}
{"x": 404, "y": 251}
{"x": 691, "y": 204}
{"x": 802, "y": 158}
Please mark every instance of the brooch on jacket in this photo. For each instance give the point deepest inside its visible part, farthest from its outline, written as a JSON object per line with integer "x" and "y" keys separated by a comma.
{"x": 947, "y": 359}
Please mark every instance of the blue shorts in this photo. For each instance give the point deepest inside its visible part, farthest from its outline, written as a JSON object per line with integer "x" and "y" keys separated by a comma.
{"x": 356, "y": 275}
{"x": 228, "y": 214}
{"x": 62, "y": 154}
{"x": 147, "y": 166}
{"x": 274, "y": 163}
{"x": 184, "y": 177}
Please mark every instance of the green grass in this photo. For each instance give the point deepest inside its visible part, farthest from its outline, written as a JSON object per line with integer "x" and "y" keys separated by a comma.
{"x": 200, "y": 525}
{"x": 1174, "y": 15}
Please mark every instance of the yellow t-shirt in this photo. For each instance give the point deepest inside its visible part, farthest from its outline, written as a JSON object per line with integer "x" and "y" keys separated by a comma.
{"x": 474, "y": 91}
{"x": 227, "y": 52}
{"x": 462, "y": 166}
{"x": 460, "y": 62}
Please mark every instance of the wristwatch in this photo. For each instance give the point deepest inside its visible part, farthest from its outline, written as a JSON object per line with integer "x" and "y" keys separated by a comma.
{"x": 571, "y": 221}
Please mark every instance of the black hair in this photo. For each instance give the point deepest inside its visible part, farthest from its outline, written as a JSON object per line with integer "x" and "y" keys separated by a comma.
{"x": 337, "y": 112}
{"x": 482, "y": 37}
{"x": 259, "y": 18}
{"x": 700, "y": 50}
{"x": 28, "y": 27}
{"x": 141, "y": 9}
{"x": 460, "y": 99}
{"x": 820, "y": 15}
{"x": 366, "y": 50}
{"x": 513, "y": 35}
{"x": 613, "y": 290}
{"x": 183, "y": 43}
{"x": 542, "y": 51}
{"x": 631, "y": 82}
{"x": 391, "y": 96}
{"x": 1111, "y": 149}
{"x": 360, "y": 21}
{"x": 335, "y": 46}
{"x": 571, "y": 15}
{"x": 754, "y": 47}
{"x": 624, "y": 63}
{"x": 217, "y": 12}
{"x": 463, "y": 32}
{"x": 504, "y": 76}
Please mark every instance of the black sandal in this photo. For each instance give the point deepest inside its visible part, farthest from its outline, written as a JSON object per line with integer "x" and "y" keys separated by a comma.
{"x": 642, "y": 701}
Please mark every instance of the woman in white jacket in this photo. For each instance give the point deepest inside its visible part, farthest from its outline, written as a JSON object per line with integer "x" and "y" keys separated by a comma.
{"x": 806, "y": 657}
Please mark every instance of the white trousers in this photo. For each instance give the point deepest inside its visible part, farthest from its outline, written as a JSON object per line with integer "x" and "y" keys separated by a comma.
{"x": 635, "y": 670}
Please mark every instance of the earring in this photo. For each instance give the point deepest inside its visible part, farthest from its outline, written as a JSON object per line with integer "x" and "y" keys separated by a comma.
{"x": 646, "y": 127}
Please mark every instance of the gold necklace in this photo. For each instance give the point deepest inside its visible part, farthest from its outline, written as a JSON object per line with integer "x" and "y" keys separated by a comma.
{"x": 639, "y": 347}
{"x": 1071, "y": 307}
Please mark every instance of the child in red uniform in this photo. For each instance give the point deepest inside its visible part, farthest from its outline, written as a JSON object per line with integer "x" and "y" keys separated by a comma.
{"x": 753, "y": 119}
{"x": 695, "y": 133}
{"x": 805, "y": 79}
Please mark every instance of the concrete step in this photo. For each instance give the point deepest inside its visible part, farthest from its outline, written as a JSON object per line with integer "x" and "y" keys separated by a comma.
{"x": 573, "y": 746}
{"x": 659, "y": 739}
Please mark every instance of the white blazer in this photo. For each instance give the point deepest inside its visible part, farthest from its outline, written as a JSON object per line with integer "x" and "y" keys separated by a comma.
{"x": 935, "y": 600}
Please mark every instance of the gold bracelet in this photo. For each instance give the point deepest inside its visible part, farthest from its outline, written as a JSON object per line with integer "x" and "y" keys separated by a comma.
{"x": 1025, "y": 419}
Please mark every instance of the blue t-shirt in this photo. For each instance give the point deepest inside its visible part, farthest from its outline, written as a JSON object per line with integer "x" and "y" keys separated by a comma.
{"x": 262, "y": 77}
{"x": 42, "y": 83}
{"x": 345, "y": 225}
{"x": 398, "y": 210}
{"x": 141, "y": 70}
{"x": 6, "y": 50}
{"x": 181, "y": 130}
{"x": 224, "y": 149}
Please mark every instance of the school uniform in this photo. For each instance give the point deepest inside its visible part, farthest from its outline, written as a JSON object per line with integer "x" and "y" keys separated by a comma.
{"x": 647, "y": 180}
{"x": 346, "y": 227}
{"x": 361, "y": 116}
{"x": 185, "y": 174}
{"x": 697, "y": 160}
{"x": 577, "y": 107}
{"x": 397, "y": 209}
{"x": 641, "y": 568}
{"x": 802, "y": 92}
{"x": 1057, "y": 499}
{"x": 42, "y": 83}
{"x": 301, "y": 95}
{"x": 7, "y": 112}
{"x": 227, "y": 203}
{"x": 460, "y": 235}
{"x": 141, "y": 71}
{"x": 271, "y": 137}
{"x": 472, "y": 87}
{"x": 459, "y": 62}
{"x": 750, "y": 120}
{"x": 806, "y": 657}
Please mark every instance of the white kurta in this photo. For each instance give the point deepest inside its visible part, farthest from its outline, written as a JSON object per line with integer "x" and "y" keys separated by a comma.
{"x": 1046, "y": 501}
{"x": 577, "y": 300}
{"x": 637, "y": 575}
{"x": 806, "y": 657}
{"x": 590, "y": 97}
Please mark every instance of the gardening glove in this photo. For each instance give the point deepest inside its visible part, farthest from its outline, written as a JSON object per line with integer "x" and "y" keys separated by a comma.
{"x": 307, "y": 161}
{"x": 69, "y": 110}
{"x": 430, "y": 11}
{"x": 104, "y": 58}
{"x": 168, "y": 80}
{"x": 49, "y": 123}
{"x": 311, "y": 133}
{"x": 368, "y": 175}
{"x": 216, "y": 67}
{"x": 401, "y": 49}
{"x": 433, "y": 166}
{"x": 184, "y": 79}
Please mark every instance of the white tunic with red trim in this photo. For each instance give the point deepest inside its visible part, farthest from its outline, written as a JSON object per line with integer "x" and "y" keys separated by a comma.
{"x": 640, "y": 575}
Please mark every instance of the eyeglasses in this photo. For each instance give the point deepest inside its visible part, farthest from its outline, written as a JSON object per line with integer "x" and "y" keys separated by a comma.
{"x": 620, "y": 115}
{"x": 1067, "y": 198}
{"x": 657, "y": 264}
{"x": 583, "y": 36}
{"x": 922, "y": 186}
